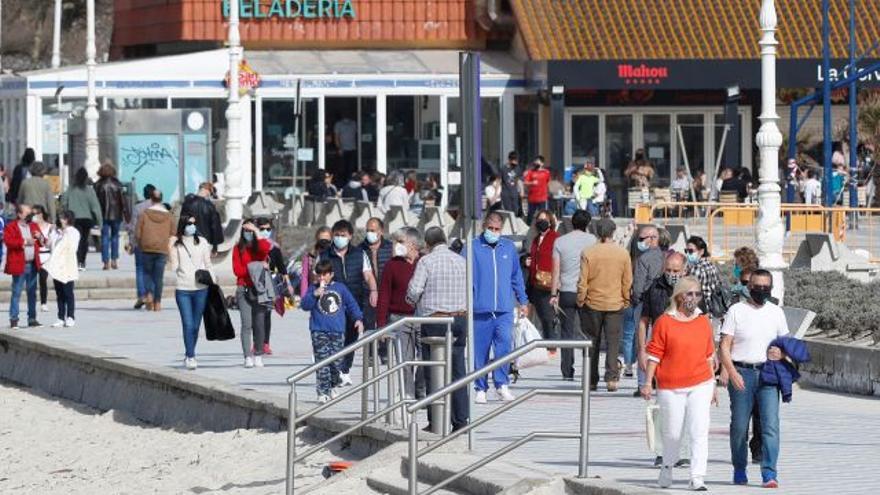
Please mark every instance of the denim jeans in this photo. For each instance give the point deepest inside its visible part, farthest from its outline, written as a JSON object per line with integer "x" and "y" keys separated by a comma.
{"x": 154, "y": 271}
{"x": 139, "y": 276}
{"x": 110, "y": 240}
{"x": 27, "y": 281}
{"x": 628, "y": 343}
{"x": 191, "y": 304}
{"x": 741, "y": 403}
{"x": 66, "y": 300}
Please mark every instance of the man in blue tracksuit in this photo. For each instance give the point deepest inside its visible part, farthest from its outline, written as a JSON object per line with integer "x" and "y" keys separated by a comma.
{"x": 498, "y": 289}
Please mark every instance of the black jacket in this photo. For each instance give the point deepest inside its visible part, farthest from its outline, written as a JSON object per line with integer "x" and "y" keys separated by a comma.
{"x": 207, "y": 217}
{"x": 655, "y": 300}
{"x": 510, "y": 198}
{"x": 111, "y": 196}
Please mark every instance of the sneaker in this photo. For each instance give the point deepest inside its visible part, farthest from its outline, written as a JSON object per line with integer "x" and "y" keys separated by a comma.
{"x": 258, "y": 361}
{"x": 683, "y": 463}
{"x": 139, "y": 304}
{"x": 637, "y": 394}
{"x": 740, "y": 477}
{"x": 248, "y": 362}
{"x": 344, "y": 379}
{"x": 58, "y": 324}
{"x": 504, "y": 394}
{"x": 44, "y": 307}
{"x": 190, "y": 363}
{"x": 34, "y": 324}
{"x": 771, "y": 483}
{"x": 267, "y": 350}
{"x": 658, "y": 461}
{"x": 70, "y": 322}
{"x": 334, "y": 393}
{"x": 323, "y": 398}
{"x": 698, "y": 485}
{"x": 665, "y": 478}
{"x": 628, "y": 371}
{"x": 13, "y": 324}
{"x": 480, "y": 397}
{"x": 612, "y": 386}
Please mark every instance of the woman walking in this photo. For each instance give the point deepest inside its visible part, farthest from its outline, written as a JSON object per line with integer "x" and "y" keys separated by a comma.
{"x": 681, "y": 357}
{"x": 114, "y": 209}
{"x": 323, "y": 240}
{"x": 540, "y": 265}
{"x": 48, "y": 231}
{"x": 700, "y": 266}
{"x": 81, "y": 199}
{"x": 190, "y": 257}
{"x": 63, "y": 268}
{"x": 250, "y": 249}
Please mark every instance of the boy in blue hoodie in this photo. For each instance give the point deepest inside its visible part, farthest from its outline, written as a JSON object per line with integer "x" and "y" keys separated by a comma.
{"x": 329, "y": 302}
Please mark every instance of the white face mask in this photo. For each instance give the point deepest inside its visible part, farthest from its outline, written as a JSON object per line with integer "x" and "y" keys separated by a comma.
{"x": 400, "y": 249}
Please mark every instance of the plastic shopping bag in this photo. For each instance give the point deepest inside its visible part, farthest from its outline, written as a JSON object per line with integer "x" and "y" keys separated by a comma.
{"x": 652, "y": 427}
{"x": 523, "y": 333}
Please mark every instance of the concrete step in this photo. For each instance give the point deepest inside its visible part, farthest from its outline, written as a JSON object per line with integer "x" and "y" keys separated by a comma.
{"x": 389, "y": 481}
{"x": 89, "y": 281}
{"x": 105, "y": 293}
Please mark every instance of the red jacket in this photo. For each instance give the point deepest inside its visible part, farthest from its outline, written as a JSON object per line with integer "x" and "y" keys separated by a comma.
{"x": 15, "y": 247}
{"x": 392, "y": 290}
{"x": 539, "y": 191}
{"x": 542, "y": 254}
{"x": 241, "y": 258}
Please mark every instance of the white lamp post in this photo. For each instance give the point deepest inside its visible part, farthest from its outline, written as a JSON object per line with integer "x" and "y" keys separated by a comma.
{"x": 233, "y": 172}
{"x": 56, "y": 37}
{"x": 769, "y": 231}
{"x": 91, "y": 114}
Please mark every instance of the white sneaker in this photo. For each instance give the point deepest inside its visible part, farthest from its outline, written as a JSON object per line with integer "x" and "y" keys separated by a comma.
{"x": 190, "y": 363}
{"x": 58, "y": 324}
{"x": 698, "y": 485}
{"x": 323, "y": 398}
{"x": 248, "y": 362}
{"x": 480, "y": 397}
{"x": 504, "y": 394}
{"x": 334, "y": 393}
{"x": 70, "y": 322}
{"x": 44, "y": 308}
{"x": 344, "y": 379}
{"x": 665, "y": 479}
{"x": 258, "y": 361}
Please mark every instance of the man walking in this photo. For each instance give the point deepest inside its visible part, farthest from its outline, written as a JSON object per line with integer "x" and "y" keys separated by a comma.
{"x": 566, "y": 270}
{"x": 439, "y": 288}
{"x": 511, "y": 198}
{"x": 749, "y": 328}
{"x": 604, "y": 292}
{"x": 23, "y": 240}
{"x": 352, "y": 267}
{"x": 498, "y": 288}
{"x": 648, "y": 268}
{"x": 537, "y": 179}
{"x": 134, "y": 247}
{"x": 199, "y": 205}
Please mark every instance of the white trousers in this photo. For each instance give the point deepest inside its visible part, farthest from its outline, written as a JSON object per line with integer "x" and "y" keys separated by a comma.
{"x": 686, "y": 409}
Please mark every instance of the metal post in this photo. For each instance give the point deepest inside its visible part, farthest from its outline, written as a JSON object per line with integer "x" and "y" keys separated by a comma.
{"x": 62, "y": 173}
{"x": 389, "y": 383}
{"x": 291, "y": 438}
{"x": 412, "y": 474}
{"x": 826, "y": 106}
{"x": 365, "y": 375}
{"x": 447, "y": 379}
{"x": 584, "y": 446}
{"x": 91, "y": 114}
{"x": 56, "y": 37}
{"x": 374, "y": 353}
{"x": 853, "y": 113}
{"x": 401, "y": 377}
{"x": 234, "y": 170}
{"x": 437, "y": 346}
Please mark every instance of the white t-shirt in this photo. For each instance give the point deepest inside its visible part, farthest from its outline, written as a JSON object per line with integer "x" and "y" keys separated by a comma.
{"x": 812, "y": 191}
{"x": 753, "y": 329}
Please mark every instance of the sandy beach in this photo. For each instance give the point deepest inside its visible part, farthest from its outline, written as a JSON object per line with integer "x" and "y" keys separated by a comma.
{"x": 49, "y": 446}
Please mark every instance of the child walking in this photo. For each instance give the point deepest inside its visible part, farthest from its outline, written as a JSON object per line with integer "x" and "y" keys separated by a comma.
{"x": 329, "y": 302}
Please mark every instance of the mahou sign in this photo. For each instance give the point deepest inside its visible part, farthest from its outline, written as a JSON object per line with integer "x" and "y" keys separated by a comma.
{"x": 642, "y": 74}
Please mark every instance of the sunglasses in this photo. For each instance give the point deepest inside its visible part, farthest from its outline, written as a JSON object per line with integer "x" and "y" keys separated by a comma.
{"x": 693, "y": 294}
{"x": 690, "y": 251}
{"x": 647, "y": 237}
{"x": 761, "y": 287}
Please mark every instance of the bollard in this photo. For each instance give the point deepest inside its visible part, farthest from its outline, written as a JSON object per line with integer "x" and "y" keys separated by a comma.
{"x": 437, "y": 347}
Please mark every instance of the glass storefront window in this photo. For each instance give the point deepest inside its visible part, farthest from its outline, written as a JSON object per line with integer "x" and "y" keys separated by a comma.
{"x": 491, "y": 131}
{"x": 278, "y": 141}
{"x": 618, "y": 146}
{"x": 413, "y": 134}
{"x": 584, "y": 138}
{"x": 525, "y": 126}
{"x": 658, "y": 145}
{"x": 76, "y": 107}
{"x": 719, "y": 132}
{"x": 136, "y": 103}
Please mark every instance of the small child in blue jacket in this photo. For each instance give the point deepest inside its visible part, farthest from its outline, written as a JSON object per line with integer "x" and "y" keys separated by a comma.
{"x": 329, "y": 302}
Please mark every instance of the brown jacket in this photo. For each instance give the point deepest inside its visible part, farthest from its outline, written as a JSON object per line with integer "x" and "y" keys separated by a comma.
{"x": 606, "y": 277}
{"x": 155, "y": 226}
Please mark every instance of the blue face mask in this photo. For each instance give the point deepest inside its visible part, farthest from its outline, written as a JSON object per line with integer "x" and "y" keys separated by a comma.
{"x": 693, "y": 258}
{"x": 265, "y": 234}
{"x": 741, "y": 290}
{"x": 340, "y": 241}
{"x": 642, "y": 246}
{"x": 248, "y": 236}
{"x": 372, "y": 237}
{"x": 491, "y": 237}
{"x": 190, "y": 230}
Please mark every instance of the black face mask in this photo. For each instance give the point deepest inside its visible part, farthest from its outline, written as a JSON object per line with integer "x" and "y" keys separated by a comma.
{"x": 542, "y": 225}
{"x": 760, "y": 296}
{"x": 323, "y": 244}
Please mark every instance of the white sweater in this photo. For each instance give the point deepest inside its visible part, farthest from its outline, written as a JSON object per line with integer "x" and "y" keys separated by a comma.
{"x": 188, "y": 258}
{"x": 62, "y": 265}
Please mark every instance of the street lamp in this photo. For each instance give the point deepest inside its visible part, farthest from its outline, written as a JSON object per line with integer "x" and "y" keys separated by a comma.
{"x": 91, "y": 114}
{"x": 56, "y": 37}
{"x": 233, "y": 172}
{"x": 769, "y": 230}
{"x": 62, "y": 173}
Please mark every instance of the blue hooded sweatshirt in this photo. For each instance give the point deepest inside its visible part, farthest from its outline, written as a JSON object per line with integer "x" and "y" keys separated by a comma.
{"x": 498, "y": 278}
{"x": 782, "y": 373}
{"x": 328, "y": 311}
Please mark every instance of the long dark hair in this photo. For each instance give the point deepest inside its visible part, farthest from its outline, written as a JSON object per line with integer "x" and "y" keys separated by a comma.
{"x": 242, "y": 243}
{"x": 181, "y": 225}
{"x": 700, "y": 243}
{"x": 81, "y": 178}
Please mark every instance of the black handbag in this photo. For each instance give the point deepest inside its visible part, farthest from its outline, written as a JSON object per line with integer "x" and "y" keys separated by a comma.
{"x": 719, "y": 302}
{"x": 218, "y": 325}
{"x": 204, "y": 277}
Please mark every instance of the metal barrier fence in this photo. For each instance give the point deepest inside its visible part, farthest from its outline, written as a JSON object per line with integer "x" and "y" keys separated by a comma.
{"x": 728, "y": 226}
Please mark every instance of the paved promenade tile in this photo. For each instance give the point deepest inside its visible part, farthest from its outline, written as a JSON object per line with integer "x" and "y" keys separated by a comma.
{"x": 830, "y": 442}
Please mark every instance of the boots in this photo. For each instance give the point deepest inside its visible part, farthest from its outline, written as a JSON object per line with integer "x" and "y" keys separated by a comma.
{"x": 148, "y": 302}
{"x": 106, "y": 265}
{"x": 157, "y": 306}
{"x": 114, "y": 265}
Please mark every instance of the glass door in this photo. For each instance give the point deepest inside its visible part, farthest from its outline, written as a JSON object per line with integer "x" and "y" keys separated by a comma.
{"x": 657, "y": 139}
{"x": 618, "y": 154}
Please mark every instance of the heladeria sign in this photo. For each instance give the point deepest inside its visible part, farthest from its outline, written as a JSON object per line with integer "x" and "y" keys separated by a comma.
{"x": 292, "y": 9}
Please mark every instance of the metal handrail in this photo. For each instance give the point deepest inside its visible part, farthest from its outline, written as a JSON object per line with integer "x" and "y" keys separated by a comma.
{"x": 582, "y": 435}
{"x": 371, "y": 339}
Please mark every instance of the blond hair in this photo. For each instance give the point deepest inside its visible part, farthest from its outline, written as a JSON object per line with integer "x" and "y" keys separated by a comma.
{"x": 684, "y": 285}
